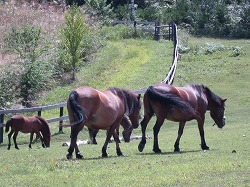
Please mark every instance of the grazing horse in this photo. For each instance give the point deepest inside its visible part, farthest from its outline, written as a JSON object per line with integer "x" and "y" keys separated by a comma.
{"x": 31, "y": 125}
{"x": 126, "y": 133}
{"x": 100, "y": 110}
{"x": 180, "y": 104}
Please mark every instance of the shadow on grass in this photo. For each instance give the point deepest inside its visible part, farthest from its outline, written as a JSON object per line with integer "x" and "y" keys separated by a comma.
{"x": 169, "y": 153}
{"x": 92, "y": 158}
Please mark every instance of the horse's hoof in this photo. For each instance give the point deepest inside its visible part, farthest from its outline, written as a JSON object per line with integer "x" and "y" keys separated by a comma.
{"x": 17, "y": 148}
{"x": 69, "y": 156}
{"x": 177, "y": 150}
{"x": 204, "y": 147}
{"x": 157, "y": 150}
{"x": 104, "y": 155}
{"x": 141, "y": 147}
{"x": 120, "y": 154}
{"x": 79, "y": 156}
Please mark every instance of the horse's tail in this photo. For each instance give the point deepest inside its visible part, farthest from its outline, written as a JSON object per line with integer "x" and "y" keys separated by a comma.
{"x": 76, "y": 108}
{"x": 168, "y": 99}
{"x": 7, "y": 125}
{"x": 147, "y": 105}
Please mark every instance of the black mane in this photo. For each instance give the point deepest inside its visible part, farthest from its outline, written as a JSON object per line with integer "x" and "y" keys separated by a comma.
{"x": 169, "y": 99}
{"x": 210, "y": 95}
{"x": 129, "y": 101}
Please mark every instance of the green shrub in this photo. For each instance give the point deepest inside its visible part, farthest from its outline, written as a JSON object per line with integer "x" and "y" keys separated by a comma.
{"x": 237, "y": 51}
{"x": 31, "y": 72}
{"x": 23, "y": 40}
{"x": 72, "y": 36}
{"x": 34, "y": 78}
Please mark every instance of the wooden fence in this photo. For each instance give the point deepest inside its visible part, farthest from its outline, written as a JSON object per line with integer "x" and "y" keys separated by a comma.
{"x": 168, "y": 80}
{"x": 156, "y": 28}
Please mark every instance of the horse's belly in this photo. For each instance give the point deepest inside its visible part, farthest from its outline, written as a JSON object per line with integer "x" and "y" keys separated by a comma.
{"x": 178, "y": 116}
{"x": 25, "y": 131}
{"x": 98, "y": 123}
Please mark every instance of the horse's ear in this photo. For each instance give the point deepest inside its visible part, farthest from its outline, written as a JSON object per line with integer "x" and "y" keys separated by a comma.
{"x": 224, "y": 100}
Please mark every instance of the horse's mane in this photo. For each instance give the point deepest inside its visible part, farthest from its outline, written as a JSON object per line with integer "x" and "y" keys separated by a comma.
{"x": 130, "y": 102}
{"x": 45, "y": 126}
{"x": 212, "y": 96}
{"x": 169, "y": 99}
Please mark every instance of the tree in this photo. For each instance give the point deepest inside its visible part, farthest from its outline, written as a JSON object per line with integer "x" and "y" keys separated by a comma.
{"x": 71, "y": 39}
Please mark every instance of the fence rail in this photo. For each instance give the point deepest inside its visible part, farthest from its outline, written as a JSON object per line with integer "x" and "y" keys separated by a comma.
{"x": 155, "y": 28}
{"x": 168, "y": 80}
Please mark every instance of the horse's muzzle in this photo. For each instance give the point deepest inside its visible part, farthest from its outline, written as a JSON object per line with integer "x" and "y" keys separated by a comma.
{"x": 135, "y": 126}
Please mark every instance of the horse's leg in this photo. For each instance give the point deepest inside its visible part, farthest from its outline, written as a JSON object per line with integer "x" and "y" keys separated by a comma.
{"x": 111, "y": 131}
{"x": 144, "y": 124}
{"x": 117, "y": 141}
{"x": 73, "y": 138}
{"x": 180, "y": 132}
{"x": 92, "y": 135}
{"x": 73, "y": 146}
{"x": 156, "y": 129}
{"x": 202, "y": 135}
{"x": 14, "y": 138}
{"x": 31, "y": 139}
{"x": 78, "y": 154}
{"x": 9, "y": 138}
{"x": 38, "y": 135}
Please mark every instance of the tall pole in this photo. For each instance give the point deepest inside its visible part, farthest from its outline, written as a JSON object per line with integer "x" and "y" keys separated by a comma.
{"x": 132, "y": 10}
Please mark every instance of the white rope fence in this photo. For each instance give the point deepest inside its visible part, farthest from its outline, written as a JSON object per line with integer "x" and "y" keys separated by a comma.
{"x": 170, "y": 76}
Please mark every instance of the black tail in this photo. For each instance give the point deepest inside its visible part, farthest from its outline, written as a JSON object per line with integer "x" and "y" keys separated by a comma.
{"x": 168, "y": 99}
{"x": 7, "y": 125}
{"x": 76, "y": 108}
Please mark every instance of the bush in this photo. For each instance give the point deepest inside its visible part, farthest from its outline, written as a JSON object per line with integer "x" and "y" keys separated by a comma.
{"x": 32, "y": 71}
{"x": 72, "y": 36}
{"x": 22, "y": 40}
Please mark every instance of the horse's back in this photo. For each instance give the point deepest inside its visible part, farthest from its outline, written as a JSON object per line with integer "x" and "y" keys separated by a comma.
{"x": 187, "y": 93}
{"x": 178, "y": 103}
{"x": 101, "y": 107}
{"x": 25, "y": 124}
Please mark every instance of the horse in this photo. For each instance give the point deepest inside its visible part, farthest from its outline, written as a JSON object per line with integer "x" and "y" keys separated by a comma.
{"x": 126, "y": 133}
{"x": 104, "y": 110}
{"x": 24, "y": 124}
{"x": 180, "y": 104}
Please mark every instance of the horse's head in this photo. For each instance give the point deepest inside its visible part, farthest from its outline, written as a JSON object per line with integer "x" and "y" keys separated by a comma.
{"x": 46, "y": 140}
{"x": 134, "y": 111}
{"x": 126, "y": 133}
{"x": 217, "y": 113}
{"x": 128, "y": 128}
{"x": 45, "y": 130}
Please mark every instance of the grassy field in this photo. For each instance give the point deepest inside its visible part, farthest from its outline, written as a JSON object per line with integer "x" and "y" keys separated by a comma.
{"x": 222, "y": 65}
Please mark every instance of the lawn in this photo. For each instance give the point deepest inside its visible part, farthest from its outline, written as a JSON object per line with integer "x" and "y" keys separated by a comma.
{"x": 222, "y": 65}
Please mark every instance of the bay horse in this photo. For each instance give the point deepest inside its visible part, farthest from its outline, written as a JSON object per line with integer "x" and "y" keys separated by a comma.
{"x": 180, "y": 104}
{"x": 104, "y": 110}
{"x": 24, "y": 124}
{"x": 126, "y": 133}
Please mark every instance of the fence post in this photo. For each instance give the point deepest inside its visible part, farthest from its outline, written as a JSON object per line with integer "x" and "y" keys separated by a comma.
{"x": 157, "y": 31}
{"x": 173, "y": 32}
{"x": 61, "y": 122}
{"x": 1, "y": 128}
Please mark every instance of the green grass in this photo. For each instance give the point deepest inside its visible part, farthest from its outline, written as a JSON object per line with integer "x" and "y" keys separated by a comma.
{"x": 136, "y": 64}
